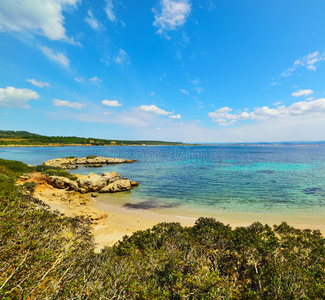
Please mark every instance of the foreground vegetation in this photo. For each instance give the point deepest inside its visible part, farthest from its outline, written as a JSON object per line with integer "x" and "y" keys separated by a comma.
{"x": 45, "y": 255}
{"x": 8, "y": 137}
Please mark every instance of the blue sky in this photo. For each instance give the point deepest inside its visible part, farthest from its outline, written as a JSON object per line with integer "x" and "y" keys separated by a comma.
{"x": 177, "y": 70}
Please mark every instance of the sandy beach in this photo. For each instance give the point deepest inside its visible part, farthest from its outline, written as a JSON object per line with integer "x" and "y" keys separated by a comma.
{"x": 110, "y": 222}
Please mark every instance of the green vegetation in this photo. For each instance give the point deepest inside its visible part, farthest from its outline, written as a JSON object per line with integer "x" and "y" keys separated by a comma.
{"x": 91, "y": 156}
{"x": 45, "y": 255}
{"x": 13, "y": 167}
{"x": 25, "y": 138}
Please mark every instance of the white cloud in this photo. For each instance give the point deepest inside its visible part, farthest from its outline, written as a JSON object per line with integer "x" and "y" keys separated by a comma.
{"x": 224, "y": 117}
{"x": 302, "y": 93}
{"x": 109, "y": 9}
{"x": 173, "y": 14}
{"x": 80, "y": 79}
{"x": 113, "y": 103}
{"x": 184, "y": 91}
{"x": 122, "y": 58}
{"x": 12, "y": 97}
{"x": 153, "y": 109}
{"x": 176, "y": 117}
{"x": 152, "y": 94}
{"x": 38, "y": 83}
{"x": 310, "y": 98}
{"x": 277, "y": 103}
{"x": 309, "y": 61}
{"x": 36, "y": 16}
{"x": 65, "y": 103}
{"x": 56, "y": 56}
{"x": 95, "y": 80}
{"x": 196, "y": 83}
{"x": 92, "y": 21}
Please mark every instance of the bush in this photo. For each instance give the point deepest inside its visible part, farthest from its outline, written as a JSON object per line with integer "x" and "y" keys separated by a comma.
{"x": 30, "y": 186}
{"x": 91, "y": 156}
{"x": 59, "y": 172}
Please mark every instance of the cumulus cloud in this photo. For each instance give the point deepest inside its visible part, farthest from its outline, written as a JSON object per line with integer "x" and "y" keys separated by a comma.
{"x": 302, "y": 93}
{"x": 225, "y": 117}
{"x": 172, "y": 15}
{"x": 309, "y": 61}
{"x": 184, "y": 91}
{"x": 56, "y": 56}
{"x": 153, "y": 109}
{"x": 92, "y": 21}
{"x": 38, "y": 83}
{"x": 113, "y": 103}
{"x": 122, "y": 58}
{"x": 109, "y": 9}
{"x": 12, "y": 97}
{"x": 65, "y": 103}
{"x": 40, "y": 17}
{"x": 176, "y": 117}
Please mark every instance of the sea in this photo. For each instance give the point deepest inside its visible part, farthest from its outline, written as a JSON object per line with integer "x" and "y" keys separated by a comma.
{"x": 230, "y": 183}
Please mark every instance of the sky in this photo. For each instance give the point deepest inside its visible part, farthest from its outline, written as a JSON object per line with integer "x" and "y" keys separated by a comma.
{"x": 213, "y": 71}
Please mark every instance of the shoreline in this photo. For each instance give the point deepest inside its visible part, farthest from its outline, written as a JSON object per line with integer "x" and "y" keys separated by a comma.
{"x": 118, "y": 221}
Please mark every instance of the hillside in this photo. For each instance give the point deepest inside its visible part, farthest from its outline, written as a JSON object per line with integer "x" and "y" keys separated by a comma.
{"x": 11, "y": 138}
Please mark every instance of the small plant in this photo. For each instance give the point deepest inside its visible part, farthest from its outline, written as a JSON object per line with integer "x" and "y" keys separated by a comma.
{"x": 59, "y": 172}
{"x": 30, "y": 186}
{"x": 91, "y": 156}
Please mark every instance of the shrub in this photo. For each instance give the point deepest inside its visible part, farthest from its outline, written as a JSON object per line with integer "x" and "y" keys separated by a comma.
{"x": 30, "y": 186}
{"x": 59, "y": 172}
{"x": 91, "y": 156}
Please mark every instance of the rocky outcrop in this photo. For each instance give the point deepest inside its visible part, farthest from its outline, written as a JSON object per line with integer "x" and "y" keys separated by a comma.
{"x": 72, "y": 162}
{"x": 108, "y": 182}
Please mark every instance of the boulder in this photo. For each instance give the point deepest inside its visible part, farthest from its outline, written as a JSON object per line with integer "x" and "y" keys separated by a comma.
{"x": 63, "y": 183}
{"x": 92, "y": 182}
{"x": 111, "y": 176}
{"x": 117, "y": 186}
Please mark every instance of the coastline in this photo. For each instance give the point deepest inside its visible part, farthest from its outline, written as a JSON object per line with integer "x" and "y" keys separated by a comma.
{"x": 114, "y": 221}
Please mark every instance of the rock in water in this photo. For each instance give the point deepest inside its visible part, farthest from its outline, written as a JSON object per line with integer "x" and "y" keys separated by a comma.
{"x": 65, "y": 163}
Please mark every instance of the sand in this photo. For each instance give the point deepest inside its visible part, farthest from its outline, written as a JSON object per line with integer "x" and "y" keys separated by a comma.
{"x": 110, "y": 223}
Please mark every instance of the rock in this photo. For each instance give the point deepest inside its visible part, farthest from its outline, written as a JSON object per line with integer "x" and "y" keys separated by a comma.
{"x": 124, "y": 178}
{"x": 24, "y": 177}
{"x": 93, "y": 214}
{"x": 94, "y": 195}
{"x": 92, "y": 182}
{"x": 63, "y": 183}
{"x": 104, "y": 183}
{"x": 117, "y": 186}
{"x": 73, "y": 167}
{"x": 65, "y": 163}
{"x": 111, "y": 177}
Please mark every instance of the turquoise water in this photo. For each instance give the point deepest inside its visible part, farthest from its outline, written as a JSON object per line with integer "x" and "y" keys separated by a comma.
{"x": 204, "y": 179}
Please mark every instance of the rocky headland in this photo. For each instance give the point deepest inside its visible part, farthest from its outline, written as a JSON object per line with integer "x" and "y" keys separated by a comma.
{"x": 89, "y": 161}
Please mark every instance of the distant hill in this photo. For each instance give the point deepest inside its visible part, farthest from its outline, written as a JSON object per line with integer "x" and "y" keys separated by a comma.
{"x": 11, "y": 138}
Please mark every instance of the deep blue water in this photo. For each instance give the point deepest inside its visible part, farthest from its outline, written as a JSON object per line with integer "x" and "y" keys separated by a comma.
{"x": 208, "y": 178}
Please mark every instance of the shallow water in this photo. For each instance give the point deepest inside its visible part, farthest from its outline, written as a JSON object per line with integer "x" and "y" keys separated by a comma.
{"x": 208, "y": 180}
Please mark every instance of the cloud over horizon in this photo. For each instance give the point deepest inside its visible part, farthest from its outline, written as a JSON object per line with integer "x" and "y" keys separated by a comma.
{"x": 224, "y": 117}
